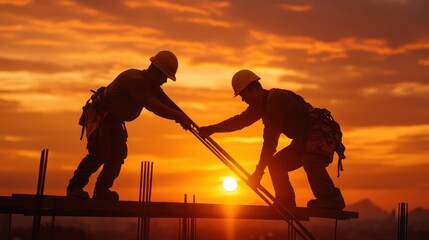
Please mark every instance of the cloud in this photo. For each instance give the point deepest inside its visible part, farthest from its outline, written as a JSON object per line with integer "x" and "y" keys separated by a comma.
{"x": 175, "y": 7}
{"x": 7, "y": 64}
{"x": 387, "y": 177}
{"x": 16, "y": 2}
{"x": 297, "y": 8}
{"x": 417, "y": 144}
{"x": 207, "y": 21}
{"x": 387, "y": 145}
{"x": 330, "y": 20}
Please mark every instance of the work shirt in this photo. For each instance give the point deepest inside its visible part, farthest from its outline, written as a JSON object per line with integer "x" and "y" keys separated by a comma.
{"x": 282, "y": 111}
{"x": 127, "y": 94}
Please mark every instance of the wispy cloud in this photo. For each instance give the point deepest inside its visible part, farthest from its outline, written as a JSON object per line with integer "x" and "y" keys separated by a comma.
{"x": 297, "y": 8}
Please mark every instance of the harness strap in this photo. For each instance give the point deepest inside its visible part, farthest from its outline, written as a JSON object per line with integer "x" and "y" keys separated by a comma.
{"x": 340, "y": 166}
{"x": 340, "y": 151}
{"x": 82, "y": 120}
{"x": 94, "y": 98}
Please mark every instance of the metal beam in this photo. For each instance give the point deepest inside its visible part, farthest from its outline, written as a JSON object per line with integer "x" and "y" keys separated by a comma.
{"x": 62, "y": 206}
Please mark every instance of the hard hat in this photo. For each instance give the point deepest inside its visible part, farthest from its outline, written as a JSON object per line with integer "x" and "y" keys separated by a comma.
{"x": 242, "y": 79}
{"x": 167, "y": 62}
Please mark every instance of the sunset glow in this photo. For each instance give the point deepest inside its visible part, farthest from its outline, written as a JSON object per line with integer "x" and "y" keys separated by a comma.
{"x": 366, "y": 61}
{"x": 230, "y": 184}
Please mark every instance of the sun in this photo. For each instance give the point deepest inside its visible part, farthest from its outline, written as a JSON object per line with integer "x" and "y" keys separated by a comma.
{"x": 230, "y": 184}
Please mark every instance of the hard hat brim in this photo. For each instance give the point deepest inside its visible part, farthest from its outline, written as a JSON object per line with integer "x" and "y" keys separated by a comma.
{"x": 244, "y": 87}
{"x": 154, "y": 62}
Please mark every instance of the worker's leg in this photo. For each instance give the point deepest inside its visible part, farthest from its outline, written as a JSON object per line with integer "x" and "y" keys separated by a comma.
{"x": 113, "y": 163}
{"x": 284, "y": 161}
{"x": 98, "y": 150}
{"x": 327, "y": 195}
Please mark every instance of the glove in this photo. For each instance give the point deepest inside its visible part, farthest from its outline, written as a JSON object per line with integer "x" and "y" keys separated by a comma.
{"x": 255, "y": 178}
{"x": 207, "y": 130}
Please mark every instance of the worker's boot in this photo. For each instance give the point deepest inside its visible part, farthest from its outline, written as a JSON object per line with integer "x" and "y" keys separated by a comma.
{"x": 77, "y": 193}
{"x": 105, "y": 194}
{"x": 335, "y": 202}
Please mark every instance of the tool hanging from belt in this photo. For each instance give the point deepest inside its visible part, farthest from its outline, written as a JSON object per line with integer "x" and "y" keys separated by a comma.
{"x": 263, "y": 193}
{"x": 93, "y": 103}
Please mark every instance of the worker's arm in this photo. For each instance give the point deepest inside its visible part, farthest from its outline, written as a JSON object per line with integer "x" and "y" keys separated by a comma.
{"x": 162, "y": 96}
{"x": 271, "y": 139}
{"x": 272, "y": 130}
{"x": 156, "y": 106}
{"x": 237, "y": 122}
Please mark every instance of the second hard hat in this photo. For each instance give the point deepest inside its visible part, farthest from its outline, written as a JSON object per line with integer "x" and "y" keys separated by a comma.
{"x": 167, "y": 62}
{"x": 242, "y": 79}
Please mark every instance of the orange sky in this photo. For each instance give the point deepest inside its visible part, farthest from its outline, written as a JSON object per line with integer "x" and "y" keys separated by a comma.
{"x": 367, "y": 61}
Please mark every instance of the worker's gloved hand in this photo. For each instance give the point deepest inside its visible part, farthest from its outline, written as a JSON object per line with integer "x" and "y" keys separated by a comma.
{"x": 184, "y": 121}
{"x": 207, "y": 130}
{"x": 255, "y": 178}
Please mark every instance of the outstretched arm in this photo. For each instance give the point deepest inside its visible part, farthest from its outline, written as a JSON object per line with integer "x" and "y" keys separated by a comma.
{"x": 237, "y": 122}
{"x": 159, "y": 108}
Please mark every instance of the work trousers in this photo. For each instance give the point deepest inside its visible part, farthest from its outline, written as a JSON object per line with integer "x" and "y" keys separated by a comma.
{"x": 106, "y": 146}
{"x": 293, "y": 157}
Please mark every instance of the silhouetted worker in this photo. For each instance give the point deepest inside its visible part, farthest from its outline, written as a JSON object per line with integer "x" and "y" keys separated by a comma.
{"x": 105, "y": 116}
{"x": 311, "y": 130}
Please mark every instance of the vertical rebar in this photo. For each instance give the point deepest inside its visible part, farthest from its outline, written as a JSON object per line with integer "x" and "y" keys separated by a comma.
{"x": 52, "y": 227}
{"x": 398, "y": 233}
{"x": 193, "y": 221}
{"x": 185, "y": 219}
{"x": 188, "y": 223}
{"x": 53, "y": 222}
{"x": 291, "y": 230}
{"x": 150, "y": 181}
{"x": 142, "y": 223}
{"x": 335, "y": 229}
{"x": 406, "y": 222}
{"x": 40, "y": 176}
{"x": 9, "y": 227}
{"x": 145, "y": 193}
{"x": 45, "y": 164}
{"x": 402, "y": 221}
{"x": 39, "y": 194}
{"x": 148, "y": 196}
{"x": 140, "y": 203}
{"x": 180, "y": 229}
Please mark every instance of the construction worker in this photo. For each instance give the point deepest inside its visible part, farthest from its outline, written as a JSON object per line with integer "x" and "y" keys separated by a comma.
{"x": 312, "y": 146}
{"x": 104, "y": 120}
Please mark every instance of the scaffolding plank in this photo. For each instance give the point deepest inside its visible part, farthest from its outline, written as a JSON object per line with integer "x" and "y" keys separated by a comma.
{"x": 61, "y": 206}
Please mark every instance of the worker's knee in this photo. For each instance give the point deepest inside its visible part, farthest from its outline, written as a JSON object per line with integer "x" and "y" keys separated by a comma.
{"x": 310, "y": 161}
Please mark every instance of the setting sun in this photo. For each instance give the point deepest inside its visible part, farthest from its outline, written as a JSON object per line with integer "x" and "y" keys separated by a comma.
{"x": 230, "y": 184}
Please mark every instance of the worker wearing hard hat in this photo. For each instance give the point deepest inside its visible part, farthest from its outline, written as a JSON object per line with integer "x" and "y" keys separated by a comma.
{"x": 104, "y": 118}
{"x": 315, "y": 137}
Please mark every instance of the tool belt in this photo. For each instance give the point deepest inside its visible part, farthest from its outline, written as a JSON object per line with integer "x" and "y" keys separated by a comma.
{"x": 93, "y": 112}
{"x": 325, "y": 136}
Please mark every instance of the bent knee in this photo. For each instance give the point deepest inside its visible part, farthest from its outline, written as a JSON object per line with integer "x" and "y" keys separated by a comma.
{"x": 315, "y": 160}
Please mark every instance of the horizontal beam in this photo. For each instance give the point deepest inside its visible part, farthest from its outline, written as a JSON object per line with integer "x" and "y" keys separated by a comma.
{"x": 62, "y": 206}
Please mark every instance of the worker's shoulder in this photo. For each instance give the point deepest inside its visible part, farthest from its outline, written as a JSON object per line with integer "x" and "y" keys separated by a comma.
{"x": 131, "y": 73}
{"x": 130, "y": 78}
{"x": 280, "y": 93}
{"x": 284, "y": 98}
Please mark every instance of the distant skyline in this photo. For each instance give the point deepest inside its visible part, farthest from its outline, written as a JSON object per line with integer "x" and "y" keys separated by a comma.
{"x": 366, "y": 61}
